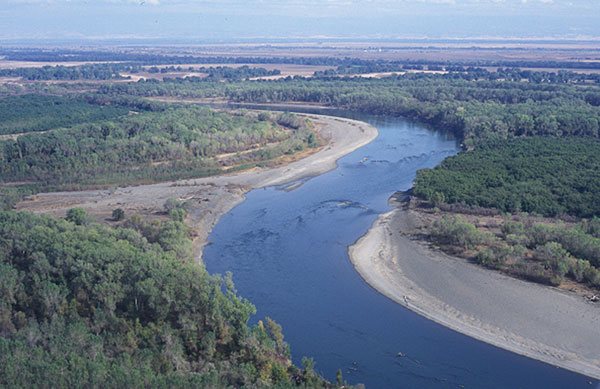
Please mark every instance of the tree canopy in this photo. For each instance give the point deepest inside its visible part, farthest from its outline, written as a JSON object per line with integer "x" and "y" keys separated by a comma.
{"x": 174, "y": 143}
{"x": 32, "y": 113}
{"x": 475, "y": 110}
{"x": 547, "y": 176}
{"x": 93, "y": 306}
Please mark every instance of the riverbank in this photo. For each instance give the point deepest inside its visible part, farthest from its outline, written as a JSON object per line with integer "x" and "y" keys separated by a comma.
{"x": 211, "y": 197}
{"x": 540, "y": 322}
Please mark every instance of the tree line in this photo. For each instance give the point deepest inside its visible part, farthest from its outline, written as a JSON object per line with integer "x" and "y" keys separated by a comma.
{"x": 112, "y": 71}
{"x": 59, "y": 72}
{"x": 470, "y": 73}
{"x": 219, "y": 72}
{"x": 65, "y": 55}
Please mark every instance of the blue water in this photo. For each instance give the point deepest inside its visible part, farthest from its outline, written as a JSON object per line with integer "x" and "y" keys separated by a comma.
{"x": 288, "y": 254}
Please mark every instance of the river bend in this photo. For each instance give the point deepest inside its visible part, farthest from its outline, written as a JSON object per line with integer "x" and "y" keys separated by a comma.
{"x": 288, "y": 254}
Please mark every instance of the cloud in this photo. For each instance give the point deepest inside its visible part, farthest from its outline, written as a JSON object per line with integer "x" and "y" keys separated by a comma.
{"x": 295, "y": 3}
{"x": 140, "y": 2}
{"x": 87, "y": 2}
{"x": 438, "y": 1}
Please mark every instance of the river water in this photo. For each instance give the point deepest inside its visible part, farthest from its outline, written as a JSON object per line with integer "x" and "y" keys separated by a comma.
{"x": 288, "y": 254}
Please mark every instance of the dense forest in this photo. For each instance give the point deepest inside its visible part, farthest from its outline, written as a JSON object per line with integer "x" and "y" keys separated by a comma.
{"x": 88, "y": 72}
{"x": 86, "y": 305}
{"x": 175, "y": 143}
{"x": 113, "y": 71}
{"x": 547, "y": 176}
{"x": 34, "y": 113}
{"x": 474, "y": 111}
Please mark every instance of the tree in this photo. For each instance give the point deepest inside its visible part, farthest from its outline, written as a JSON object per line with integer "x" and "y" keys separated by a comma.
{"x": 339, "y": 378}
{"x": 274, "y": 331}
{"x": 118, "y": 214}
{"x": 308, "y": 364}
{"x": 178, "y": 214}
{"x": 171, "y": 204}
{"x": 78, "y": 216}
{"x": 438, "y": 198}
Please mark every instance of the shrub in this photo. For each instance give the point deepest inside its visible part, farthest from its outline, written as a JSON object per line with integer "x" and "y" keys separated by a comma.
{"x": 118, "y": 214}
{"x": 452, "y": 230}
{"x": 78, "y": 216}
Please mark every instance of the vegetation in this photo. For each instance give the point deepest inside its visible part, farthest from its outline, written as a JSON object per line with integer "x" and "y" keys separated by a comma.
{"x": 530, "y": 139}
{"x": 176, "y": 209}
{"x": 475, "y": 109}
{"x": 159, "y": 59}
{"x": 32, "y": 113}
{"x": 85, "y": 305}
{"x": 118, "y": 214}
{"x": 547, "y": 176}
{"x": 179, "y": 142}
{"x": 59, "y": 72}
{"x": 62, "y": 55}
{"x": 539, "y": 251}
{"x": 221, "y": 72}
{"x": 511, "y": 73}
{"x": 113, "y": 71}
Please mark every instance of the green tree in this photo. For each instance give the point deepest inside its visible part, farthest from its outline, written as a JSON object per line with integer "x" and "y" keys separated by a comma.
{"x": 78, "y": 216}
{"x": 118, "y": 214}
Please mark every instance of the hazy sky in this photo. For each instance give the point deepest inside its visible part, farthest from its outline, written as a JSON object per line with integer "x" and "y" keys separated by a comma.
{"x": 237, "y": 19}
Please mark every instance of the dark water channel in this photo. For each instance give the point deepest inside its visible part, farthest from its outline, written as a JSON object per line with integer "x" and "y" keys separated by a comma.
{"x": 288, "y": 254}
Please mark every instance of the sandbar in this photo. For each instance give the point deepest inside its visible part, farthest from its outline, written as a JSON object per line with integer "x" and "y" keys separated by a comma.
{"x": 537, "y": 321}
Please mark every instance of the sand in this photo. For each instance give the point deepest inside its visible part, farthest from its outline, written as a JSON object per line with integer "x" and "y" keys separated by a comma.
{"x": 211, "y": 197}
{"x": 540, "y": 322}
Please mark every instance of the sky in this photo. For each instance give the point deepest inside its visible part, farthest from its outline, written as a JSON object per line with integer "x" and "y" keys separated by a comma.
{"x": 237, "y": 20}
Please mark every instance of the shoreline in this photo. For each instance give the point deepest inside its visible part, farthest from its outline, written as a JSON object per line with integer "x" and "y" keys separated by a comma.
{"x": 552, "y": 326}
{"x": 343, "y": 136}
{"x": 212, "y": 196}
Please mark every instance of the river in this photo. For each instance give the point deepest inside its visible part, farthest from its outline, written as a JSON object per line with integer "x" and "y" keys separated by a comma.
{"x": 288, "y": 254}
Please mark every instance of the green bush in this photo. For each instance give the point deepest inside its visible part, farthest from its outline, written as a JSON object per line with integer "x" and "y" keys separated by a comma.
{"x": 452, "y": 230}
{"x": 118, "y": 214}
{"x": 78, "y": 216}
